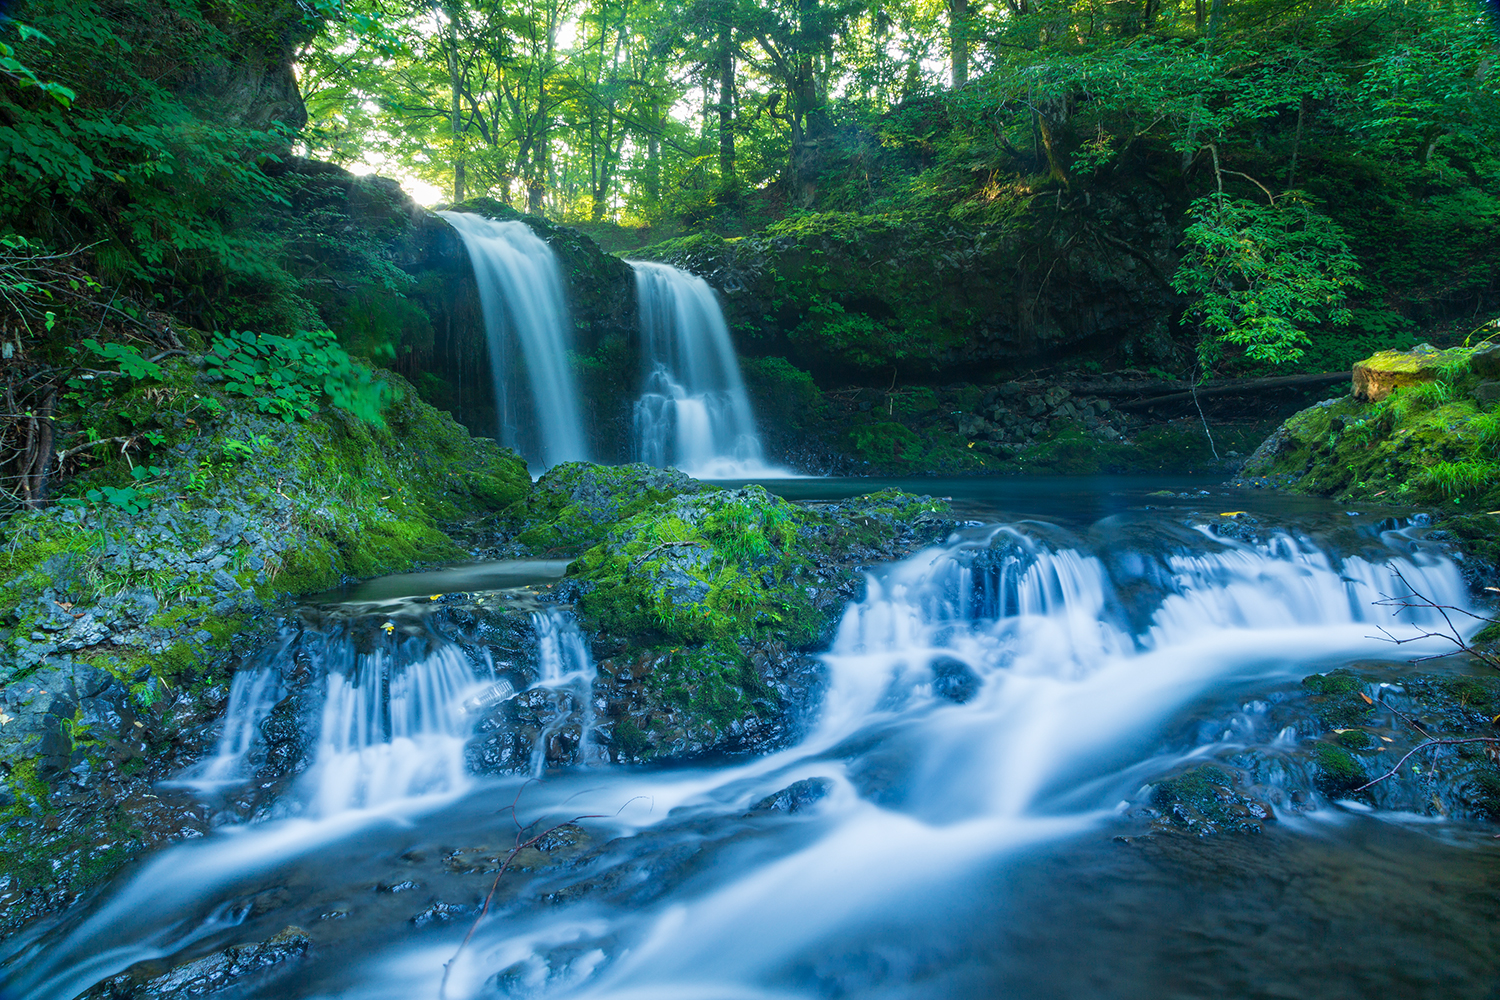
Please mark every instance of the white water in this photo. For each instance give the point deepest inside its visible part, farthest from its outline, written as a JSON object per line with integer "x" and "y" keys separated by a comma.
{"x": 520, "y": 290}
{"x": 694, "y": 414}
{"x": 1067, "y": 708}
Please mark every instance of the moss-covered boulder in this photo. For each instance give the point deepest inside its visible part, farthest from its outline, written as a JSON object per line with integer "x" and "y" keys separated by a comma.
{"x": 1207, "y": 800}
{"x": 1430, "y": 442}
{"x": 1381, "y": 374}
{"x": 705, "y": 605}
{"x": 574, "y": 505}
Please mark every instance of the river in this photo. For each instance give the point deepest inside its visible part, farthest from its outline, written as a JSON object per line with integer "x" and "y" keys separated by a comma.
{"x": 961, "y": 819}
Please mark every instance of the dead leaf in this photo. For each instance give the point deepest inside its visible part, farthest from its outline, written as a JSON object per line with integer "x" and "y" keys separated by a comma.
{"x": 1367, "y": 698}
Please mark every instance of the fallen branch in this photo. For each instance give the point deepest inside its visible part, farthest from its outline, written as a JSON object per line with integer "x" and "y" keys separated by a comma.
{"x": 124, "y": 439}
{"x": 510, "y": 856}
{"x": 639, "y": 560}
{"x": 1236, "y": 387}
{"x": 1423, "y": 746}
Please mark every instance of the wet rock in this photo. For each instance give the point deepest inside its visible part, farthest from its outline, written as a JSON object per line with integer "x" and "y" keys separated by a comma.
{"x": 953, "y": 679}
{"x": 1205, "y": 801}
{"x": 236, "y": 966}
{"x": 1485, "y": 361}
{"x": 443, "y": 913}
{"x": 795, "y": 797}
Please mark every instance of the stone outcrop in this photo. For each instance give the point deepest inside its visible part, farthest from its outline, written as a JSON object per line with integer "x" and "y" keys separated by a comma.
{"x": 851, "y": 294}
{"x": 1379, "y": 375}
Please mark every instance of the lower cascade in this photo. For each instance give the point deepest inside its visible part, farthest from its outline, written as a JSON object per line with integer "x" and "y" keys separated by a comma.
{"x": 520, "y": 291}
{"x": 694, "y": 414}
{"x": 991, "y": 704}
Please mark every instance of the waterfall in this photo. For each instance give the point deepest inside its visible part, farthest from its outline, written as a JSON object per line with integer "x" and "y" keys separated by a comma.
{"x": 520, "y": 290}
{"x": 694, "y": 414}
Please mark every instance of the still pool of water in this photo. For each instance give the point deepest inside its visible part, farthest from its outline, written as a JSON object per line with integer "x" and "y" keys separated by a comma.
{"x": 970, "y": 844}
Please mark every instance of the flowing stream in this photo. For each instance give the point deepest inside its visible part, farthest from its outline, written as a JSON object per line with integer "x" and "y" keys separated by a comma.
{"x": 946, "y": 826}
{"x": 520, "y": 291}
{"x": 694, "y": 413}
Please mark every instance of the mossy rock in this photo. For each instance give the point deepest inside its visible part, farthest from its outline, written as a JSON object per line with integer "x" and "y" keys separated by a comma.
{"x": 574, "y": 505}
{"x": 1205, "y": 801}
{"x": 705, "y": 603}
{"x": 1426, "y": 443}
{"x": 704, "y": 569}
{"x": 1339, "y": 699}
{"x": 1339, "y": 771}
{"x": 1377, "y": 376}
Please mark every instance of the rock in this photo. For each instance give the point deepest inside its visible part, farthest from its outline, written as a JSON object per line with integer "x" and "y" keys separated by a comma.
{"x": 575, "y": 504}
{"x": 1487, "y": 393}
{"x": 1379, "y": 375}
{"x": 1204, "y": 801}
{"x": 1485, "y": 361}
{"x": 794, "y": 797}
{"x": 952, "y": 679}
{"x": 206, "y": 976}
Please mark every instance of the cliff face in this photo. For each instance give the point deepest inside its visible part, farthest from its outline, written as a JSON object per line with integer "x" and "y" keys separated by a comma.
{"x": 846, "y": 295}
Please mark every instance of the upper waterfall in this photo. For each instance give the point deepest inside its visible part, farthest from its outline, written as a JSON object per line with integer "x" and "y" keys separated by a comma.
{"x": 694, "y": 413}
{"x": 520, "y": 290}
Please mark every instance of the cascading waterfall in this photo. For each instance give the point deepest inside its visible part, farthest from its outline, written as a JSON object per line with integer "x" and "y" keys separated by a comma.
{"x": 520, "y": 291}
{"x": 993, "y": 694}
{"x": 694, "y": 414}
{"x": 386, "y": 725}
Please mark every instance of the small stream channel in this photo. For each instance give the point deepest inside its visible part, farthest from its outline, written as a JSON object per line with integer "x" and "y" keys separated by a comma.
{"x": 963, "y": 818}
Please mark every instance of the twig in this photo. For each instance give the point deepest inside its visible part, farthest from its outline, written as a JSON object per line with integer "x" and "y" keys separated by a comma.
{"x": 638, "y": 560}
{"x": 1423, "y": 746}
{"x": 1406, "y": 719}
{"x": 124, "y": 439}
{"x": 520, "y": 846}
{"x": 1418, "y": 600}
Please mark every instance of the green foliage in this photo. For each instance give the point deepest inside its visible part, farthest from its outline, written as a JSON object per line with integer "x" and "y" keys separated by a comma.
{"x": 290, "y": 376}
{"x": 23, "y": 74}
{"x": 1258, "y": 276}
{"x": 1459, "y": 480}
{"x": 127, "y": 356}
{"x": 146, "y": 160}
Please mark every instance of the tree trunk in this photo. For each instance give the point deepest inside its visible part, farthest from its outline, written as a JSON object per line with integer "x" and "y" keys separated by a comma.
{"x": 653, "y": 156}
{"x": 958, "y": 28}
{"x": 536, "y": 187}
{"x": 726, "y": 104}
{"x": 455, "y": 111}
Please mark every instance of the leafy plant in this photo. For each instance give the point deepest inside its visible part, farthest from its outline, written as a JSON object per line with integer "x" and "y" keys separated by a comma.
{"x": 127, "y": 356}
{"x": 130, "y": 499}
{"x": 1260, "y": 275}
{"x": 291, "y": 376}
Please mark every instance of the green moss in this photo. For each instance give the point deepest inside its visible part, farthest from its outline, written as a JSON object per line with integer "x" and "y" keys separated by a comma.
{"x": 1204, "y": 800}
{"x": 574, "y": 505}
{"x": 1339, "y": 699}
{"x": 706, "y": 570}
{"x": 1354, "y": 739}
{"x": 1338, "y": 770}
{"x": 1425, "y": 443}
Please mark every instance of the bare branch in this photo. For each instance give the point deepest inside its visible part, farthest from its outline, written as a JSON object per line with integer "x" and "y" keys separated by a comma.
{"x": 1423, "y": 746}
{"x": 520, "y": 845}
